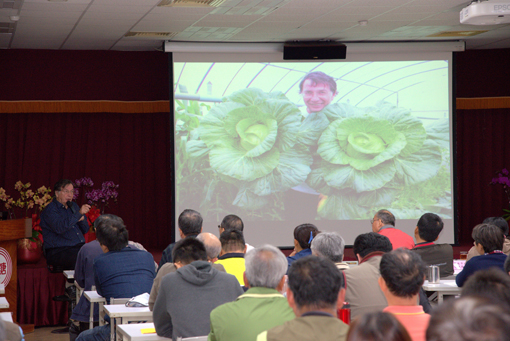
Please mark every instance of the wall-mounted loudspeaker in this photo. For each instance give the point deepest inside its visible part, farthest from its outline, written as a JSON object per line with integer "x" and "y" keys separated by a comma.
{"x": 314, "y": 50}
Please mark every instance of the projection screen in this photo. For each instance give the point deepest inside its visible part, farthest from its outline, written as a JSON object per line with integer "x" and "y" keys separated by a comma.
{"x": 253, "y": 139}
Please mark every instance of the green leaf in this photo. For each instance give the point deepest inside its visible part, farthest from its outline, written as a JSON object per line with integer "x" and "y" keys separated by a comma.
{"x": 196, "y": 148}
{"x": 341, "y": 207}
{"x": 405, "y": 123}
{"x": 378, "y": 197}
{"x": 407, "y": 213}
{"x": 288, "y": 117}
{"x": 257, "y": 136}
{"x": 312, "y": 128}
{"x": 209, "y": 191}
{"x": 245, "y": 198}
{"x": 334, "y": 143}
{"x": 212, "y": 130}
{"x": 348, "y": 177}
{"x": 439, "y": 132}
{"x": 316, "y": 181}
{"x": 236, "y": 115}
{"x": 232, "y": 161}
{"x": 419, "y": 166}
{"x": 337, "y": 111}
{"x": 292, "y": 170}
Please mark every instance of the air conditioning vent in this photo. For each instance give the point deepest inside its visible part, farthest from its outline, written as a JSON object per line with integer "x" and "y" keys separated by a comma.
{"x": 151, "y": 35}
{"x": 191, "y": 3}
{"x": 6, "y": 27}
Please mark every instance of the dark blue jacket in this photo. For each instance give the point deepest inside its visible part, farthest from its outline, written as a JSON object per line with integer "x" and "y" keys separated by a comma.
{"x": 480, "y": 263}
{"x": 61, "y": 227}
{"x": 124, "y": 274}
{"x": 300, "y": 254}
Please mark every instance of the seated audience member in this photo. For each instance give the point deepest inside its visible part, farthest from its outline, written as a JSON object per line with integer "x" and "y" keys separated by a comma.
{"x": 384, "y": 223}
{"x": 120, "y": 272}
{"x": 402, "y": 275}
{"x": 330, "y": 245}
{"x": 233, "y": 222}
{"x": 503, "y": 225}
{"x": 426, "y": 233}
{"x": 362, "y": 289}
{"x": 187, "y": 297}
{"x": 315, "y": 292}
{"x": 489, "y": 241}
{"x": 84, "y": 276}
{"x": 490, "y": 283}
{"x": 507, "y": 265}
{"x": 377, "y": 326}
{"x": 303, "y": 236}
{"x": 262, "y": 307}
{"x": 10, "y": 331}
{"x": 469, "y": 318}
{"x": 190, "y": 225}
{"x": 232, "y": 253}
{"x": 212, "y": 248}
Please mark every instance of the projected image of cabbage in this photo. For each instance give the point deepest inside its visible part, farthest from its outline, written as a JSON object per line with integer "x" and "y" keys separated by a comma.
{"x": 379, "y": 157}
{"x": 252, "y": 141}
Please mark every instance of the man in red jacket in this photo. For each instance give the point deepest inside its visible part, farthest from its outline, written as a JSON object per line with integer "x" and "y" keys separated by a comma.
{"x": 384, "y": 223}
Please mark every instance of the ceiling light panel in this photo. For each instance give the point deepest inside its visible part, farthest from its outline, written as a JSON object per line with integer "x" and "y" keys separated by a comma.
{"x": 118, "y": 9}
{"x": 128, "y": 2}
{"x": 54, "y": 7}
{"x": 69, "y": 2}
{"x": 10, "y": 4}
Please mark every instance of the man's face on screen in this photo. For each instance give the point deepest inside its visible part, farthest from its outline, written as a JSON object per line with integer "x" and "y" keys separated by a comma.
{"x": 316, "y": 95}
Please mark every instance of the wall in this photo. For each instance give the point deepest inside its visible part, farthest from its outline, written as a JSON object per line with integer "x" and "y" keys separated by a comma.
{"x": 39, "y": 75}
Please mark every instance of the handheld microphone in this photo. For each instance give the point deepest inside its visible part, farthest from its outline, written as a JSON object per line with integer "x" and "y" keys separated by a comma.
{"x": 70, "y": 205}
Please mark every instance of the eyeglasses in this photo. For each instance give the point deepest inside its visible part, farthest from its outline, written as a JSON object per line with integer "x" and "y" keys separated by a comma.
{"x": 372, "y": 220}
{"x": 67, "y": 192}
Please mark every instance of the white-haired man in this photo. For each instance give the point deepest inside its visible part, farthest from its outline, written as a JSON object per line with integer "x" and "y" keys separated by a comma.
{"x": 330, "y": 245}
{"x": 262, "y": 307}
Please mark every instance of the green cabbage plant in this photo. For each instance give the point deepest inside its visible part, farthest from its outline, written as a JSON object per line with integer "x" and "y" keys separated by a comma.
{"x": 367, "y": 156}
{"x": 252, "y": 140}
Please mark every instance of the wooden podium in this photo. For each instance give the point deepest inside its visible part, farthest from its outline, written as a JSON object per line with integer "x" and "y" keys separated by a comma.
{"x": 10, "y": 232}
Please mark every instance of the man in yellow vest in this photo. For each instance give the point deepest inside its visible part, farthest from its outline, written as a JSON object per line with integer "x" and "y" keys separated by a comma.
{"x": 232, "y": 253}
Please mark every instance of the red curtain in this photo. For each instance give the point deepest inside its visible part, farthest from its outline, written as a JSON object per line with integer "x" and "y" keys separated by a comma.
{"x": 482, "y": 149}
{"x": 132, "y": 150}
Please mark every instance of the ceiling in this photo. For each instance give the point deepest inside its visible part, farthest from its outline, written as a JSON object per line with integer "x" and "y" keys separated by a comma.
{"x": 142, "y": 25}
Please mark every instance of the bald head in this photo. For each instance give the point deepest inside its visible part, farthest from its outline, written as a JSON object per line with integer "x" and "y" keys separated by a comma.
{"x": 212, "y": 245}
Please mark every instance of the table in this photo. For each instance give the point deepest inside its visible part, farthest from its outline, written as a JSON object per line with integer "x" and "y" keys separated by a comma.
{"x": 6, "y": 316}
{"x": 445, "y": 287}
{"x": 120, "y": 314}
{"x": 69, "y": 275}
{"x": 133, "y": 332}
{"x": 94, "y": 297}
{"x": 4, "y": 304}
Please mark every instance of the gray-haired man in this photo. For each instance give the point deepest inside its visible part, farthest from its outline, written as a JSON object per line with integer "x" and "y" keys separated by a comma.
{"x": 262, "y": 306}
{"x": 330, "y": 245}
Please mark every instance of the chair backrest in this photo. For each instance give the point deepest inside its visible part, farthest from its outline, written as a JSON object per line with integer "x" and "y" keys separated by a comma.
{"x": 193, "y": 338}
{"x": 119, "y": 300}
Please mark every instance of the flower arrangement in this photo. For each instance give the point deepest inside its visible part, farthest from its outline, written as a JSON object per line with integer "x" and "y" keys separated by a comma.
{"x": 100, "y": 198}
{"x": 503, "y": 178}
{"x": 28, "y": 205}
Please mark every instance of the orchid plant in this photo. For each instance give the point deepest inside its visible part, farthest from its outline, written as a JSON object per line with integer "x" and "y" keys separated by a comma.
{"x": 100, "y": 198}
{"x": 503, "y": 178}
{"x": 28, "y": 205}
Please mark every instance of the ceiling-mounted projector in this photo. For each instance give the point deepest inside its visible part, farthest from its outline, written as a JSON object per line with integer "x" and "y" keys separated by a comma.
{"x": 485, "y": 13}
